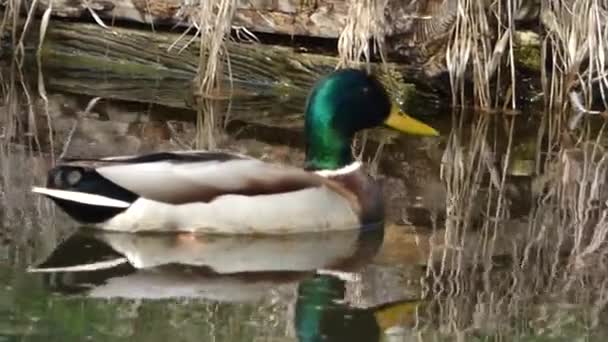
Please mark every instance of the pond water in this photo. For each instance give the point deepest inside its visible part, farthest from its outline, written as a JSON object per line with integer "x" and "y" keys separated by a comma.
{"x": 487, "y": 237}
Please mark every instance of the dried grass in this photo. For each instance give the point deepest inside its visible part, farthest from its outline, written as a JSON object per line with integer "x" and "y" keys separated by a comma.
{"x": 25, "y": 219}
{"x": 577, "y": 32}
{"x": 365, "y": 24}
{"x": 570, "y": 215}
{"x": 471, "y": 50}
{"x": 212, "y": 20}
{"x": 563, "y": 255}
{"x": 577, "y": 39}
{"x": 10, "y": 20}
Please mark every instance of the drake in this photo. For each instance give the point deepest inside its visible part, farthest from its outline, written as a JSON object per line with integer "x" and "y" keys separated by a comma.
{"x": 218, "y": 192}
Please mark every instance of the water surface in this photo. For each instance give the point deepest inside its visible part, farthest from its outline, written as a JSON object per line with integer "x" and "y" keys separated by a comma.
{"x": 471, "y": 249}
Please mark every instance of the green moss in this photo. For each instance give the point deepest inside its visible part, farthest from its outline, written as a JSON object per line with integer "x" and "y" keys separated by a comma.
{"x": 527, "y": 50}
{"x": 54, "y": 57}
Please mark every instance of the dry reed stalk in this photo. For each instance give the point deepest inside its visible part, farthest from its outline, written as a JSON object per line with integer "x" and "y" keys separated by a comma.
{"x": 577, "y": 32}
{"x": 213, "y": 24}
{"x": 212, "y": 20}
{"x": 462, "y": 166}
{"x": 567, "y": 216}
{"x": 568, "y": 225}
{"x": 570, "y": 212}
{"x": 11, "y": 20}
{"x": 365, "y": 23}
{"x": 476, "y": 210}
{"x": 25, "y": 218}
{"x": 565, "y": 210}
{"x": 471, "y": 50}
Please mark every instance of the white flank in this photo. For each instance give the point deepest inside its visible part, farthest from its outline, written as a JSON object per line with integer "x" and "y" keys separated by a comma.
{"x": 307, "y": 210}
{"x": 347, "y": 169}
{"x": 82, "y": 197}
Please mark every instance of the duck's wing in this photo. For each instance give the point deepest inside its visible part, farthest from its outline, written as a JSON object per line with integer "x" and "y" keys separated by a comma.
{"x": 202, "y": 181}
{"x": 179, "y": 178}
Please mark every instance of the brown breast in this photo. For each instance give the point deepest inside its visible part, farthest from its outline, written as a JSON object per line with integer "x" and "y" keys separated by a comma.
{"x": 365, "y": 193}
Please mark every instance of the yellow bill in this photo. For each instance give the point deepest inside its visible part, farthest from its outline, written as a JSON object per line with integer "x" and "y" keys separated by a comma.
{"x": 406, "y": 124}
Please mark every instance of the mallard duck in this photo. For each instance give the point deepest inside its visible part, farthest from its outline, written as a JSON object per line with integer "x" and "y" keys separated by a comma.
{"x": 221, "y": 192}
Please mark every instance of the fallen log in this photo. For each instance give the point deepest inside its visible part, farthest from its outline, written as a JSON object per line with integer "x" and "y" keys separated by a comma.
{"x": 123, "y": 63}
{"x": 415, "y": 30}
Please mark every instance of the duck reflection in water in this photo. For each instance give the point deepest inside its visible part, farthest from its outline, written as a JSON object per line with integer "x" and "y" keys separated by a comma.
{"x": 322, "y": 314}
{"x": 228, "y": 269}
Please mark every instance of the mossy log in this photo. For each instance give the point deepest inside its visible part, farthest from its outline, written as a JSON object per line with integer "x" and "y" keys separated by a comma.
{"x": 81, "y": 46}
{"x": 414, "y": 29}
{"x": 158, "y": 67}
{"x": 127, "y": 64}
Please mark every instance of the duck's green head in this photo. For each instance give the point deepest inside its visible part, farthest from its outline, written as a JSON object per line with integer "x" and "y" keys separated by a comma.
{"x": 342, "y": 103}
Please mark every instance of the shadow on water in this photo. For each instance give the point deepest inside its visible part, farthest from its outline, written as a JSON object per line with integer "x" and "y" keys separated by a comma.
{"x": 492, "y": 232}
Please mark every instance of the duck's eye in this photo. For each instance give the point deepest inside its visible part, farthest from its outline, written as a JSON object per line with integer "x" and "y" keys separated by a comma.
{"x": 57, "y": 179}
{"x": 74, "y": 177}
